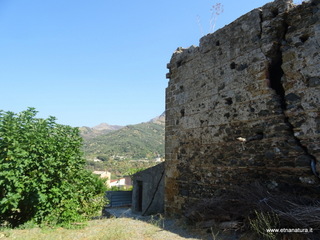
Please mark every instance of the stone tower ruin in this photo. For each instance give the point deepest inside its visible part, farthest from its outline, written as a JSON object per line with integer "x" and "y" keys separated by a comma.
{"x": 245, "y": 105}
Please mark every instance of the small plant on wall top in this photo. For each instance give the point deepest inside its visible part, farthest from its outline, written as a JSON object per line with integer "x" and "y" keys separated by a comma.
{"x": 42, "y": 175}
{"x": 216, "y": 9}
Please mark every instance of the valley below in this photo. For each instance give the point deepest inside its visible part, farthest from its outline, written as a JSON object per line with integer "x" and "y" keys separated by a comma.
{"x": 120, "y": 149}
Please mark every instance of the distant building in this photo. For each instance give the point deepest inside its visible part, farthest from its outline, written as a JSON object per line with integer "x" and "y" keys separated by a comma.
{"x": 104, "y": 175}
{"x": 123, "y": 183}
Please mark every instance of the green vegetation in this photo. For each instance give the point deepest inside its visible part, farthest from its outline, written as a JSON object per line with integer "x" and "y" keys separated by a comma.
{"x": 119, "y": 168}
{"x": 141, "y": 141}
{"x": 121, "y": 149}
{"x": 42, "y": 173}
{"x": 133, "y": 171}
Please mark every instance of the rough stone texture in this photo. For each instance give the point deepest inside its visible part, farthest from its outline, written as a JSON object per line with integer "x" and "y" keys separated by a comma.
{"x": 257, "y": 78}
{"x": 148, "y": 191}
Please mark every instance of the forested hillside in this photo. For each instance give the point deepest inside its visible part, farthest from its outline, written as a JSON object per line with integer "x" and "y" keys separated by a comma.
{"x": 133, "y": 142}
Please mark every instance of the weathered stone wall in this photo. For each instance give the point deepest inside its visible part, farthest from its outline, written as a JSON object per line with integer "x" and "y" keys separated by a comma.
{"x": 258, "y": 78}
{"x": 148, "y": 191}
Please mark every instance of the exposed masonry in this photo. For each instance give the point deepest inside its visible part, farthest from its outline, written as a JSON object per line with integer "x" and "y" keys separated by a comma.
{"x": 244, "y": 106}
{"x": 276, "y": 74}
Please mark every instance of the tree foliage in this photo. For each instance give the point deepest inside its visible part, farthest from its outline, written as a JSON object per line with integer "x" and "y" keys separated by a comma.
{"x": 42, "y": 172}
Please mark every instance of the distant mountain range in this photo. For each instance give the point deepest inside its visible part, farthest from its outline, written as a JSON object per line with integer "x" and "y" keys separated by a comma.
{"x": 139, "y": 141}
{"x": 103, "y": 128}
{"x": 159, "y": 119}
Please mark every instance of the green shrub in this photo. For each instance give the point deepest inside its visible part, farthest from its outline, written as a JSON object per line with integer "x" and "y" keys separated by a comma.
{"x": 42, "y": 175}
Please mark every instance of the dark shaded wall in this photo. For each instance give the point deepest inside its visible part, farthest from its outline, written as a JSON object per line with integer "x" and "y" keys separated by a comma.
{"x": 148, "y": 191}
{"x": 256, "y": 80}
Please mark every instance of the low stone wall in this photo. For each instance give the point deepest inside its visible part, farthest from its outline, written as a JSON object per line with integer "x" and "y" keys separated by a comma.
{"x": 148, "y": 191}
{"x": 244, "y": 106}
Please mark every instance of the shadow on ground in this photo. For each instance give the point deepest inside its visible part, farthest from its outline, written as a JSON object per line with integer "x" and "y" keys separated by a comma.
{"x": 171, "y": 225}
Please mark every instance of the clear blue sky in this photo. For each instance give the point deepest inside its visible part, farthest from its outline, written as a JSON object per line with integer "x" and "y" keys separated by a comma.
{"x": 88, "y": 62}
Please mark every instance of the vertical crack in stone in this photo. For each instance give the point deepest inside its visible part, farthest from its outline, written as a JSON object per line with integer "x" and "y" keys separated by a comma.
{"x": 261, "y": 21}
{"x": 276, "y": 74}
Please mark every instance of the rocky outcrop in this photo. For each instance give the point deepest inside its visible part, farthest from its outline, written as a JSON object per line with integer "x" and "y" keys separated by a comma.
{"x": 245, "y": 106}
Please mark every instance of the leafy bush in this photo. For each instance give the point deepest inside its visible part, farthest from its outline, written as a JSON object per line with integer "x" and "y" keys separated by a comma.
{"x": 42, "y": 175}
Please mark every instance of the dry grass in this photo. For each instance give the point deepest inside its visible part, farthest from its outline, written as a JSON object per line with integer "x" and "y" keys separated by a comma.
{"x": 106, "y": 229}
{"x": 256, "y": 208}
